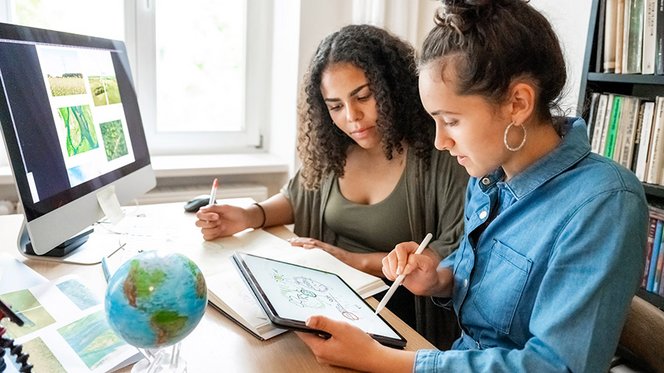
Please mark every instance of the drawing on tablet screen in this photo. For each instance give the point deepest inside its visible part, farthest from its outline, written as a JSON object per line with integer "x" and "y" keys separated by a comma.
{"x": 306, "y": 292}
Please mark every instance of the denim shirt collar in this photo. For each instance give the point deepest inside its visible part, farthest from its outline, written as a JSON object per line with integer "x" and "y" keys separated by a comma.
{"x": 573, "y": 147}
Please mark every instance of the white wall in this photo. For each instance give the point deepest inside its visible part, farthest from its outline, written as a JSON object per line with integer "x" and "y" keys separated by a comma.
{"x": 570, "y": 19}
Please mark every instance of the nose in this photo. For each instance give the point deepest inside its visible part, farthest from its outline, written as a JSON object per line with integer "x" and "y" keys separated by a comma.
{"x": 442, "y": 141}
{"x": 353, "y": 113}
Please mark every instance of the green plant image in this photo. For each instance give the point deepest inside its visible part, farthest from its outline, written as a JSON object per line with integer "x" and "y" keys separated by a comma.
{"x": 105, "y": 90}
{"x": 114, "y": 139}
{"x": 80, "y": 130}
{"x": 67, "y": 84}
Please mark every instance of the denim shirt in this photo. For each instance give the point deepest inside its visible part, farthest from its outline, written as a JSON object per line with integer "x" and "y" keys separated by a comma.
{"x": 550, "y": 260}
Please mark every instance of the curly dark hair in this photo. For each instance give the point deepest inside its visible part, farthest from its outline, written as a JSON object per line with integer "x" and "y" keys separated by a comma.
{"x": 390, "y": 66}
{"x": 493, "y": 42}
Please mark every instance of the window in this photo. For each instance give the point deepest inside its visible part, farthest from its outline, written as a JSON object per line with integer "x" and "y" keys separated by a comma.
{"x": 199, "y": 67}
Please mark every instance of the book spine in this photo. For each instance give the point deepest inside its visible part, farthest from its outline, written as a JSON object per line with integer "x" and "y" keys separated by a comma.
{"x": 658, "y": 272}
{"x": 620, "y": 32}
{"x": 652, "y": 226}
{"x": 653, "y": 256}
{"x": 649, "y": 37}
{"x": 656, "y": 153}
{"x": 607, "y": 122}
{"x": 609, "y": 48}
{"x": 592, "y": 113}
{"x": 630, "y": 143}
{"x": 633, "y": 42}
{"x": 613, "y": 127}
{"x": 600, "y": 118}
{"x": 599, "y": 44}
{"x": 644, "y": 140}
{"x": 659, "y": 36}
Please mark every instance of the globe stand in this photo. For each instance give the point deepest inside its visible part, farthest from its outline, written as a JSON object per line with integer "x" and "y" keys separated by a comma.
{"x": 162, "y": 360}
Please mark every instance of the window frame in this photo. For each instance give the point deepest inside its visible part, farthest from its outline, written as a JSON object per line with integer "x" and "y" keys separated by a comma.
{"x": 140, "y": 40}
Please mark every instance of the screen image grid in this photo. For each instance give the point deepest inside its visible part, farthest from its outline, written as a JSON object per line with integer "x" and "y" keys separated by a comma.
{"x": 87, "y": 111}
{"x": 297, "y": 293}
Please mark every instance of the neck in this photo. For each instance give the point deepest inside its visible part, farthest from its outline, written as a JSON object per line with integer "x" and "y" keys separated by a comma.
{"x": 542, "y": 139}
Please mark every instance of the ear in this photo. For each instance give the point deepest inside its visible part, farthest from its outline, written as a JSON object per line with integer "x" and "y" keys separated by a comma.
{"x": 521, "y": 102}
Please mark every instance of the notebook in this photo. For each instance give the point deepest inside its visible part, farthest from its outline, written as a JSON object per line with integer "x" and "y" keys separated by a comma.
{"x": 289, "y": 294}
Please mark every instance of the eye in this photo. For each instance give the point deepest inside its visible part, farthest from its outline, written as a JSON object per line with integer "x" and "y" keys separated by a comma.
{"x": 364, "y": 97}
{"x": 334, "y": 108}
{"x": 450, "y": 122}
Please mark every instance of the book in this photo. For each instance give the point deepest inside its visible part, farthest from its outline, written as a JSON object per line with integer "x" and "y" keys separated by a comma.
{"x": 658, "y": 268}
{"x": 657, "y": 241}
{"x": 656, "y": 157}
{"x": 659, "y": 37}
{"x": 228, "y": 294}
{"x": 627, "y": 131}
{"x": 607, "y": 123}
{"x": 649, "y": 37}
{"x": 620, "y": 32}
{"x": 598, "y": 127}
{"x": 592, "y": 113}
{"x": 609, "y": 41}
{"x": 612, "y": 131}
{"x": 644, "y": 139}
{"x": 652, "y": 226}
{"x": 633, "y": 36}
{"x": 65, "y": 328}
{"x": 600, "y": 26}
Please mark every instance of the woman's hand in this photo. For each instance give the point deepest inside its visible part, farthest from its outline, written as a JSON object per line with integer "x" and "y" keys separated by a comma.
{"x": 312, "y": 243}
{"x": 221, "y": 220}
{"x": 420, "y": 270}
{"x": 351, "y": 347}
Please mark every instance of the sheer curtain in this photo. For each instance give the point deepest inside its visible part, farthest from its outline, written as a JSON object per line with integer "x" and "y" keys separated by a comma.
{"x": 409, "y": 19}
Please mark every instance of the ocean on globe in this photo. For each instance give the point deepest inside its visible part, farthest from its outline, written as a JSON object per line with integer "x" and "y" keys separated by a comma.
{"x": 155, "y": 299}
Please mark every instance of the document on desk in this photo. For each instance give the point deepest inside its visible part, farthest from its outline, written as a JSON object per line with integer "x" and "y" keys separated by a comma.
{"x": 65, "y": 328}
{"x": 228, "y": 293}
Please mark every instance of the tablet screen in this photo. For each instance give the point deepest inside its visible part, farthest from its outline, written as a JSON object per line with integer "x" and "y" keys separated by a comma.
{"x": 294, "y": 292}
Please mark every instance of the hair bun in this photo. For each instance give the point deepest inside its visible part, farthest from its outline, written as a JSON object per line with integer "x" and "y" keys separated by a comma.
{"x": 464, "y": 14}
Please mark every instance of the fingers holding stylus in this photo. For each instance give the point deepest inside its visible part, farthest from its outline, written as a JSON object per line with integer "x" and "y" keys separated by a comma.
{"x": 396, "y": 262}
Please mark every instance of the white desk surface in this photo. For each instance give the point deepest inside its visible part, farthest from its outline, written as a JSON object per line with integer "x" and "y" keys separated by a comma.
{"x": 217, "y": 343}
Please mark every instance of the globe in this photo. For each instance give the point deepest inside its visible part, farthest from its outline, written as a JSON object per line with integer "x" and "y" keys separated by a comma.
{"x": 155, "y": 299}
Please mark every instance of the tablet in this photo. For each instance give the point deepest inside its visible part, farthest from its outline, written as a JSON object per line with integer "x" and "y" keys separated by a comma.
{"x": 290, "y": 293}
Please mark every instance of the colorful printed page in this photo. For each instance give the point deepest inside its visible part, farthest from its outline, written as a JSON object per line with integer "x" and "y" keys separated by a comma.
{"x": 65, "y": 329}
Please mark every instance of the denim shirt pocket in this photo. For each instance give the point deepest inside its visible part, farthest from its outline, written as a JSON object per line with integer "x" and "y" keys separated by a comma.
{"x": 501, "y": 286}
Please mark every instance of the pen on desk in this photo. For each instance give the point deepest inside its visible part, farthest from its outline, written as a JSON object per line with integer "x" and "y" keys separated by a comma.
{"x": 213, "y": 192}
{"x": 400, "y": 278}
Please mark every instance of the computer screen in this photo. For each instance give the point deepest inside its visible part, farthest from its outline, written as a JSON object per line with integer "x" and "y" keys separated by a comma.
{"x": 72, "y": 129}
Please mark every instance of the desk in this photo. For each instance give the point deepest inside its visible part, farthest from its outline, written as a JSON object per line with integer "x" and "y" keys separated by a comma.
{"x": 217, "y": 342}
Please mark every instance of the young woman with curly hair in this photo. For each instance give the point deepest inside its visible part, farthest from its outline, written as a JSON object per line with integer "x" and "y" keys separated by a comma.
{"x": 370, "y": 176}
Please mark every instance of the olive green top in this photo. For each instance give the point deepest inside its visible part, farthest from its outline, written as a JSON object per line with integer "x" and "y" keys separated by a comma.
{"x": 366, "y": 228}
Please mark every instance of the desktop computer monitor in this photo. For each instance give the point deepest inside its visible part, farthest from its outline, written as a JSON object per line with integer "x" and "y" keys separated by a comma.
{"x": 73, "y": 132}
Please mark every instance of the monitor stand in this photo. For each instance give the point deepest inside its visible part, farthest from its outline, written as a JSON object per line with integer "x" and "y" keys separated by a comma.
{"x": 84, "y": 248}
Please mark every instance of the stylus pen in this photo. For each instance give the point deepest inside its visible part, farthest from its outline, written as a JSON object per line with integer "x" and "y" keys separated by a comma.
{"x": 400, "y": 278}
{"x": 213, "y": 192}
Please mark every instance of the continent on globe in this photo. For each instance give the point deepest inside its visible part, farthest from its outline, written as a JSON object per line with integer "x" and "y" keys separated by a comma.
{"x": 156, "y": 299}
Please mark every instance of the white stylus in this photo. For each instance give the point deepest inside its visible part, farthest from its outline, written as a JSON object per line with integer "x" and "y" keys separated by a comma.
{"x": 400, "y": 278}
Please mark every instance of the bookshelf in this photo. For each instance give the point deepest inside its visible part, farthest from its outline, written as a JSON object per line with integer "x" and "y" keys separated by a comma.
{"x": 641, "y": 85}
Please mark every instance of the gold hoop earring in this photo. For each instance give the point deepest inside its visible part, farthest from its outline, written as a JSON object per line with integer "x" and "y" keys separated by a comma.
{"x": 523, "y": 142}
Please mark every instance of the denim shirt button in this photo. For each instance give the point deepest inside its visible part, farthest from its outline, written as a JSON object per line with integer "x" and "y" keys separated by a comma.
{"x": 483, "y": 214}
{"x": 465, "y": 283}
{"x": 486, "y": 181}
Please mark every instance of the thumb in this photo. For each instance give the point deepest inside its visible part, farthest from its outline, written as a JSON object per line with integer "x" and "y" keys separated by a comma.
{"x": 322, "y": 323}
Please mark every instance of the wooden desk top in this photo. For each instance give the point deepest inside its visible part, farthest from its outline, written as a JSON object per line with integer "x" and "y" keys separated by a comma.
{"x": 217, "y": 342}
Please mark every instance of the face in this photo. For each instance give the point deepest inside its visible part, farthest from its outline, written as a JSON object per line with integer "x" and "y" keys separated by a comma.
{"x": 351, "y": 103}
{"x": 469, "y": 127}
